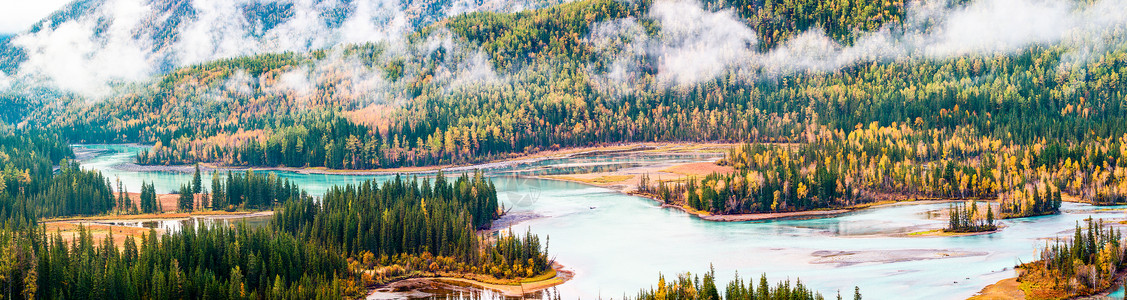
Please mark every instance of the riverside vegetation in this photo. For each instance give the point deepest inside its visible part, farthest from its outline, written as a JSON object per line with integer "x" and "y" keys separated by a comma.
{"x": 841, "y": 169}
{"x": 1084, "y": 265}
{"x": 1025, "y": 128}
{"x": 415, "y": 227}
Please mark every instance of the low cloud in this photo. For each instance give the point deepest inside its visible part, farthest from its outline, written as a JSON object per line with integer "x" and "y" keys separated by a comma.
{"x": 67, "y": 56}
{"x": 123, "y": 41}
{"x": 5, "y": 82}
{"x": 695, "y": 45}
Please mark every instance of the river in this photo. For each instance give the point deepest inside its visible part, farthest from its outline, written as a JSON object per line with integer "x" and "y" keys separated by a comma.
{"x": 617, "y": 244}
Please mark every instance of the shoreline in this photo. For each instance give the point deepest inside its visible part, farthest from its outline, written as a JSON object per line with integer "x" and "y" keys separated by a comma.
{"x": 214, "y": 214}
{"x": 794, "y": 215}
{"x": 1010, "y": 288}
{"x": 518, "y": 159}
{"x": 411, "y": 286}
{"x": 942, "y": 233}
{"x": 1004, "y": 289}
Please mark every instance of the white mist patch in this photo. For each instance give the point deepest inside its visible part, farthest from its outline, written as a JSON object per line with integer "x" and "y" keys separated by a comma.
{"x": 5, "y": 82}
{"x": 375, "y": 21}
{"x": 124, "y": 41}
{"x": 294, "y": 82}
{"x": 217, "y": 31}
{"x": 622, "y": 45}
{"x": 238, "y": 84}
{"x": 696, "y": 45}
{"x": 475, "y": 69}
{"x": 71, "y": 58}
{"x": 461, "y": 65}
{"x": 1002, "y": 26}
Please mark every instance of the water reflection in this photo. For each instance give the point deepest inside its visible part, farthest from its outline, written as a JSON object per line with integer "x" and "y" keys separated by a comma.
{"x": 178, "y": 224}
{"x": 421, "y": 288}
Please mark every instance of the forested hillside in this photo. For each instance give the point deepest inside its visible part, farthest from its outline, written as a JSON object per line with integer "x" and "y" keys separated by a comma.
{"x": 374, "y": 105}
{"x": 31, "y": 188}
{"x": 837, "y": 169}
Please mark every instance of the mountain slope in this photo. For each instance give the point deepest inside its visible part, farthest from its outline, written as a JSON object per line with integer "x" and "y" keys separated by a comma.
{"x": 484, "y": 85}
{"x": 90, "y": 46}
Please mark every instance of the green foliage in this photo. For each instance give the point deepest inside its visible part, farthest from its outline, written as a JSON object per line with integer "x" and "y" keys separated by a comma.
{"x": 776, "y": 21}
{"x": 215, "y": 262}
{"x": 687, "y": 286}
{"x": 254, "y": 191}
{"x": 30, "y": 188}
{"x": 401, "y": 216}
{"x": 218, "y": 194}
{"x": 964, "y": 217}
{"x": 1083, "y": 265}
{"x": 197, "y": 181}
{"x": 1040, "y": 202}
{"x": 550, "y": 100}
{"x": 149, "y": 203}
{"x": 74, "y": 191}
{"x": 514, "y": 256}
{"x": 836, "y": 168}
{"x": 555, "y": 32}
{"x": 185, "y": 201}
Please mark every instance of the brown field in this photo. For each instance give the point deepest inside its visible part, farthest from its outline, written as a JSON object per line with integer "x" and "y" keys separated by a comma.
{"x": 626, "y": 180}
{"x": 167, "y": 201}
{"x": 68, "y": 227}
{"x": 699, "y": 169}
{"x": 98, "y": 232}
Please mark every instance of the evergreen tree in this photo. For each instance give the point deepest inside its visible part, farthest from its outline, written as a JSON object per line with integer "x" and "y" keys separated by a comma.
{"x": 186, "y": 199}
{"x": 196, "y": 181}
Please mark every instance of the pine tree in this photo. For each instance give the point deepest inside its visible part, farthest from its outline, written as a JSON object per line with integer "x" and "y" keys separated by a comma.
{"x": 196, "y": 181}
{"x": 989, "y": 214}
{"x": 218, "y": 193}
{"x": 149, "y": 202}
{"x": 186, "y": 199}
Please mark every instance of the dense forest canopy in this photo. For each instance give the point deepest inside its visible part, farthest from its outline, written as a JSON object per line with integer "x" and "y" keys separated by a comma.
{"x": 840, "y": 104}
{"x": 329, "y": 248}
{"x": 463, "y": 90}
{"x": 31, "y": 187}
{"x": 1083, "y": 265}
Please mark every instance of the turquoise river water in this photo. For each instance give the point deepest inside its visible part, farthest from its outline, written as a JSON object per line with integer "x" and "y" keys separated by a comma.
{"x": 617, "y": 244}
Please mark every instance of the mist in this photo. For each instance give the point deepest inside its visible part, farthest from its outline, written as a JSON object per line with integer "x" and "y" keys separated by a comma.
{"x": 127, "y": 41}
{"x": 695, "y": 44}
{"x": 124, "y": 41}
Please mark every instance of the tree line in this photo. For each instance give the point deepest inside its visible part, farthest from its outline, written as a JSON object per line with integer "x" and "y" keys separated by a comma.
{"x": 1020, "y": 98}
{"x": 402, "y": 220}
{"x": 965, "y": 217}
{"x": 1081, "y": 266}
{"x": 836, "y": 168}
{"x": 688, "y": 286}
{"x": 331, "y": 247}
{"x": 209, "y": 262}
{"x": 31, "y": 187}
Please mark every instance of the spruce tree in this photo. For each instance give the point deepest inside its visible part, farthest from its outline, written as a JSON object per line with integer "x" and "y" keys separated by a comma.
{"x": 196, "y": 181}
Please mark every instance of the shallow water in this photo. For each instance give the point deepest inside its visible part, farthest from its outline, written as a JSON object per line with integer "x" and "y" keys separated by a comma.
{"x": 617, "y": 243}
{"x": 175, "y": 225}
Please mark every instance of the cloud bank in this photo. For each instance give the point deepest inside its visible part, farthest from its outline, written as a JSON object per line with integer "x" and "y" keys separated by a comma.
{"x": 695, "y": 44}
{"x": 122, "y": 41}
